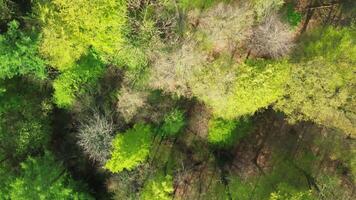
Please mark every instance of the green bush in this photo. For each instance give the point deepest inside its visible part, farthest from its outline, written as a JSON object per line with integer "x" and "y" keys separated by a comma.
{"x": 129, "y": 149}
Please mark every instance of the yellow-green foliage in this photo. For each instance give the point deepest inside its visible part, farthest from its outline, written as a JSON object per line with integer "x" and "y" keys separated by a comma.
{"x": 159, "y": 187}
{"x": 224, "y": 133}
{"x": 263, "y": 8}
{"x": 130, "y": 148}
{"x": 77, "y": 80}
{"x": 322, "y": 84}
{"x": 241, "y": 89}
{"x": 71, "y": 27}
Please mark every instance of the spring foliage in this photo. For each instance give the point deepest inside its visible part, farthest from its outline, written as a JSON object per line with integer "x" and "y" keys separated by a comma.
{"x": 160, "y": 187}
{"x": 77, "y": 80}
{"x": 19, "y": 54}
{"x": 43, "y": 178}
{"x": 71, "y": 27}
{"x": 322, "y": 84}
{"x": 129, "y": 149}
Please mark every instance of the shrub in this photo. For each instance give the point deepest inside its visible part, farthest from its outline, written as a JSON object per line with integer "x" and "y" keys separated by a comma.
{"x": 129, "y": 149}
{"x": 173, "y": 122}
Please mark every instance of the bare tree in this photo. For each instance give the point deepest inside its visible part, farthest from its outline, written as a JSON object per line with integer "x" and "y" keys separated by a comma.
{"x": 95, "y": 136}
{"x": 272, "y": 38}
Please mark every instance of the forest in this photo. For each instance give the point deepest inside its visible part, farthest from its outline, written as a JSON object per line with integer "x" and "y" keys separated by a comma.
{"x": 177, "y": 99}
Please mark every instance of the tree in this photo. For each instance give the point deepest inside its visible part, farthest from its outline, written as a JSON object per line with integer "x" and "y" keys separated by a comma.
{"x": 24, "y": 117}
{"x": 95, "y": 137}
{"x": 160, "y": 187}
{"x": 322, "y": 84}
{"x": 129, "y": 149}
{"x": 43, "y": 178}
{"x": 272, "y": 38}
{"x": 235, "y": 90}
{"x": 224, "y": 133}
{"x": 78, "y": 80}
{"x": 19, "y": 54}
{"x": 173, "y": 122}
{"x": 5, "y": 10}
{"x": 71, "y": 27}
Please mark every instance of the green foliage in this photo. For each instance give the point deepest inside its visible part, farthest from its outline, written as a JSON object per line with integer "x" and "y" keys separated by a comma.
{"x": 5, "y": 10}
{"x": 201, "y": 4}
{"x": 71, "y": 27}
{"x": 129, "y": 149}
{"x": 173, "y": 122}
{"x": 19, "y": 54}
{"x": 293, "y": 17}
{"x": 225, "y": 133}
{"x": 43, "y": 178}
{"x": 330, "y": 43}
{"x": 77, "y": 80}
{"x": 255, "y": 85}
{"x": 24, "y": 121}
{"x": 160, "y": 187}
{"x": 322, "y": 84}
{"x": 285, "y": 192}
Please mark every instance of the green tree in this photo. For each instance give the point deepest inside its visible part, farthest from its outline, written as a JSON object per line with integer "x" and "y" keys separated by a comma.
{"x": 322, "y": 84}
{"x": 160, "y": 187}
{"x": 44, "y": 178}
{"x": 69, "y": 28}
{"x": 19, "y": 54}
{"x": 129, "y": 149}
{"x": 78, "y": 80}
{"x": 173, "y": 122}
{"x": 24, "y": 117}
{"x": 224, "y": 133}
{"x": 235, "y": 90}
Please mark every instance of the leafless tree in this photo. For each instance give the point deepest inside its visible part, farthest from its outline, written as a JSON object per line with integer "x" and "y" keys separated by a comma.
{"x": 95, "y": 136}
{"x": 272, "y": 38}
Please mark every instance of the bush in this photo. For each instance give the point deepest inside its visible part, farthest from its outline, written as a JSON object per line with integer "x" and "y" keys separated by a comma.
{"x": 264, "y": 8}
{"x": 129, "y": 149}
{"x": 173, "y": 122}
